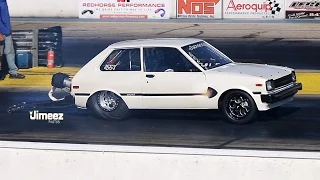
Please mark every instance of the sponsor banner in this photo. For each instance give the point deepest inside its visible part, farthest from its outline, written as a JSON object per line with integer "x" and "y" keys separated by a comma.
{"x": 254, "y": 9}
{"x": 304, "y": 9}
{"x": 199, "y": 9}
{"x": 134, "y": 9}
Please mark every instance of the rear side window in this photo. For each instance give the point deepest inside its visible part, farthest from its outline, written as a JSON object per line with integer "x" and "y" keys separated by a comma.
{"x": 122, "y": 60}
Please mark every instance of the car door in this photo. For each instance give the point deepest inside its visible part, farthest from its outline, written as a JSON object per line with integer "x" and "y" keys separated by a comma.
{"x": 171, "y": 81}
{"x": 122, "y": 74}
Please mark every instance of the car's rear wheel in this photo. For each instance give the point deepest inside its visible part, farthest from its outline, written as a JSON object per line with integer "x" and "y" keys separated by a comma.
{"x": 109, "y": 106}
{"x": 238, "y": 107}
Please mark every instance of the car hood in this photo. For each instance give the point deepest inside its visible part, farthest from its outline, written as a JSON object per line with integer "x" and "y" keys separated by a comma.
{"x": 257, "y": 70}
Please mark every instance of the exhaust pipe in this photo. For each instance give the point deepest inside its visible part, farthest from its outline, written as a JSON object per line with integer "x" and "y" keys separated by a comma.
{"x": 61, "y": 80}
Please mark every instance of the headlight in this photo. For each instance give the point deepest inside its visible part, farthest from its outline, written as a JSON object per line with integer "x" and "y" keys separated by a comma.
{"x": 270, "y": 85}
{"x": 294, "y": 78}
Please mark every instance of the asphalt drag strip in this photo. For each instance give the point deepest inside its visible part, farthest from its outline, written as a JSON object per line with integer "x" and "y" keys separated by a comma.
{"x": 295, "y": 127}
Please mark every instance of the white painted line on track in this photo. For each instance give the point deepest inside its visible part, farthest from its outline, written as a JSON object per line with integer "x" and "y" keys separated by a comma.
{"x": 159, "y": 150}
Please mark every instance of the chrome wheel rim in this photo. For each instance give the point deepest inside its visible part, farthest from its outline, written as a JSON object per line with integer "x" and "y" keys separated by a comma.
{"x": 108, "y": 101}
{"x": 238, "y": 106}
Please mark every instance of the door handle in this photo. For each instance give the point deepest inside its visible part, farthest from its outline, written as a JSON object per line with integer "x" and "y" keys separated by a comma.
{"x": 149, "y": 75}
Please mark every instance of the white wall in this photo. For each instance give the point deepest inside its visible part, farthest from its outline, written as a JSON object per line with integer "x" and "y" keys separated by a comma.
{"x": 43, "y": 8}
{"x": 22, "y": 160}
{"x": 70, "y": 8}
{"x": 52, "y": 8}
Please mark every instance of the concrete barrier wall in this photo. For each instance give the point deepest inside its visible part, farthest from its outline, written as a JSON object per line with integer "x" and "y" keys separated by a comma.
{"x": 254, "y": 9}
{"x": 43, "y": 8}
{"x": 23, "y": 160}
{"x": 53, "y": 8}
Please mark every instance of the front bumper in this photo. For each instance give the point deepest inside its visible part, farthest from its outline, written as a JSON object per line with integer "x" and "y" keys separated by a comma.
{"x": 275, "y": 97}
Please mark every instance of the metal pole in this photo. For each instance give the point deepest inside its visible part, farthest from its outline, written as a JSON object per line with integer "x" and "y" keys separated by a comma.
{"x": 35, "y": 49}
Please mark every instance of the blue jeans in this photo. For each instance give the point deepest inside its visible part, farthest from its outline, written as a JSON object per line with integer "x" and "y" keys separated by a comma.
{"x": 10, "y": 54}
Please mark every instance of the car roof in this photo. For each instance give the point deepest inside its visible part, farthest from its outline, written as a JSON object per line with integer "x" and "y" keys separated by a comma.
{"x": 155, "y": 42}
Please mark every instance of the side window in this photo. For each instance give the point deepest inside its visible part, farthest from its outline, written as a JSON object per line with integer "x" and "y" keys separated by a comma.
{"x": 122, "y": 60}
{"x": 165, "y": 59}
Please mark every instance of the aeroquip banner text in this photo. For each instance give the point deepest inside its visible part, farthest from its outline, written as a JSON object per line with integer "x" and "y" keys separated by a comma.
{"x": 254, "y": 9}
{"x": 116, "y": 9}
{"x": 304, "y": 9}
{"x": 199, "y": 9}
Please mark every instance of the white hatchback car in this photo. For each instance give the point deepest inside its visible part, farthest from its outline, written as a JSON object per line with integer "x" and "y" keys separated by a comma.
{"x": 179, "y": 73}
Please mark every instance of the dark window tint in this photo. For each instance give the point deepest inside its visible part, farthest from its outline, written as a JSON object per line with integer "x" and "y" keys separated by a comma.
{"x": 122, "y": 60}
{"x": 166, "y": 59}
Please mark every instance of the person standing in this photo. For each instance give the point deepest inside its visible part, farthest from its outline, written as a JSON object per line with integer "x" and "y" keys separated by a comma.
{"x": 2, "y": 75}
{"x": 5, "y": 29}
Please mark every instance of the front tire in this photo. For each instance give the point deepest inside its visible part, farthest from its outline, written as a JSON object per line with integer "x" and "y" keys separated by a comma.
{"x": 109, "y": 106}
{"x": 238, "y": 107}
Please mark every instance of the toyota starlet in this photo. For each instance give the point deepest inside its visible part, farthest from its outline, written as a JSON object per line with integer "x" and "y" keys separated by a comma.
{"x": 177, "y": 73}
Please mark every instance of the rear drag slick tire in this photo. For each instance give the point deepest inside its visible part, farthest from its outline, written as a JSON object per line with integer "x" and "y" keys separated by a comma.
{"x": 109, "y": 106}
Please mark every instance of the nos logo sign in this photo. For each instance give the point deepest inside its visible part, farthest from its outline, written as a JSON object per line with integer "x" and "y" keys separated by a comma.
{"x": 199, "y": 9}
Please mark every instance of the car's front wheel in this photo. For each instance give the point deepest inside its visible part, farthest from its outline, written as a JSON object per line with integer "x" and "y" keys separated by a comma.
{"x": 238, "y": 107}
{"x": 109, "y": 106}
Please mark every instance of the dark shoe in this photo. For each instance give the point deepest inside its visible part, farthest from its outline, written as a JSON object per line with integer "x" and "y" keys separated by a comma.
{"x": 16, "y": 76}
{"x": 2, "y": 75}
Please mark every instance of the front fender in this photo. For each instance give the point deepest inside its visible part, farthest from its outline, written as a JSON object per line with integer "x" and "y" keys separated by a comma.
{"x": 221, "y": 92}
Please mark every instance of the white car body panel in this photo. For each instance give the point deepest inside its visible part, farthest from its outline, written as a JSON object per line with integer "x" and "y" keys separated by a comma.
{"x": 258, "y": 70}
{"x": 135, "y": 88}
{"x": 180, "y": 92}
{"x": 133, "y": 80}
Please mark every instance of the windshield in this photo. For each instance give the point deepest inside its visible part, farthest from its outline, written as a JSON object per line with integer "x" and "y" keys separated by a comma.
{"x": 206, "y": 56}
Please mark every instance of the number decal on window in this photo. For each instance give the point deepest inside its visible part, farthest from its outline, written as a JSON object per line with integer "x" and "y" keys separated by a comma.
{"x": 110, "y": 67}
